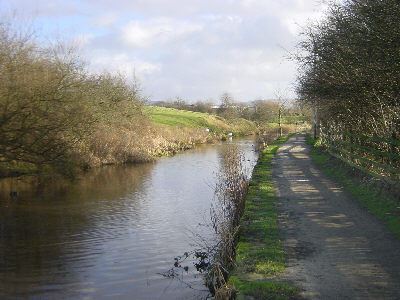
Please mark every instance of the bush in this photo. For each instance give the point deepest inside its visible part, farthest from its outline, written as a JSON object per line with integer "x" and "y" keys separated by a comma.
{"x": 50, "y": 106}
{"x": 349, "y": 67}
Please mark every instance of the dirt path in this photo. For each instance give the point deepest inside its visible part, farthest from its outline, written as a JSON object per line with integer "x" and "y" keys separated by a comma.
{"x": 335, "y": 248}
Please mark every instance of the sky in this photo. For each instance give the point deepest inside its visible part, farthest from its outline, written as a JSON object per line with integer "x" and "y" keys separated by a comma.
{"x": 191, "y": 49}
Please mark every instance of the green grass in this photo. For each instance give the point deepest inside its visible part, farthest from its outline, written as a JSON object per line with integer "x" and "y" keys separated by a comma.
{"x": 175, "y": 117}
{"x": 266, "y": 289}
{"x": 259, "y": 253}
{"x": 366, "y": 194}
{"x": 183, "y": 118}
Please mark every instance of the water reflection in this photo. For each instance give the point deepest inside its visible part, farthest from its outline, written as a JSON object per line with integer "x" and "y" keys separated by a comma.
{"x": 109, "y": 234}
{"x": 49, "y": 232}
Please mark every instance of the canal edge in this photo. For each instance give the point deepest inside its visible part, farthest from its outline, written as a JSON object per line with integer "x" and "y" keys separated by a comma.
{"x": 260, "y": 257}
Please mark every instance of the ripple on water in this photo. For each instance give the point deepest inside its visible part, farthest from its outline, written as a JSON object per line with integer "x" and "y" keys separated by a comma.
{"x": 109, "y": 234}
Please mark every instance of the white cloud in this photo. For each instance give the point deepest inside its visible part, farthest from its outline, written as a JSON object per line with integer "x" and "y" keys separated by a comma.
{"x": 193, "y": 49}
{"x": 295, "y": 21}
{"x": 143, "y": 34}
{"x": 106, "y": 20}
{"x": 123, "y": 63}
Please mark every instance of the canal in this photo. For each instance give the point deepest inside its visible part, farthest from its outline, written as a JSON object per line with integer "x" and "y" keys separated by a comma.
{"x": 110, "y": 234}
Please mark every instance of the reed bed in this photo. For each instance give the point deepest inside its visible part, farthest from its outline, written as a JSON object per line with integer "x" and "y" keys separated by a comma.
{"x": 126, "y": 143}
{"x": 229, "y": 203}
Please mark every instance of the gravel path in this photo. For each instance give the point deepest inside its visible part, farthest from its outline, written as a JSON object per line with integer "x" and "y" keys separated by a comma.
{"x": 335, "y": 248}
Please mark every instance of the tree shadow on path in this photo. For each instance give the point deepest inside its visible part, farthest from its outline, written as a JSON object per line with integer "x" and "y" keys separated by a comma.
{"x": 335, "y": 248}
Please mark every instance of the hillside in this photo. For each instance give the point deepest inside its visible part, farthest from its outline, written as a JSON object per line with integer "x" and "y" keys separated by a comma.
{"x": 182, "y": 118}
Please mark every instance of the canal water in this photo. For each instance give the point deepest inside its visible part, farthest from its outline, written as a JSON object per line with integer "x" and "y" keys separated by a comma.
{"x": 111, "y": 234}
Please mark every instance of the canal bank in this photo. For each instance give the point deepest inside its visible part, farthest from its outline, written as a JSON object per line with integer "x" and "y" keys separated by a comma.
{"x": 260, "y": 257}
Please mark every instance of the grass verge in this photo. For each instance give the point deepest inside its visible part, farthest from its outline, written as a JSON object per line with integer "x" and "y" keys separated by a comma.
{"x": 183, "y": 118}
{"x": 382, "y": 206}
{"x": 259, "y": 256}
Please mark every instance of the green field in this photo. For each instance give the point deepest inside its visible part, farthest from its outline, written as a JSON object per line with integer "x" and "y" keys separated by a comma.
{"x": 183, "y": 118}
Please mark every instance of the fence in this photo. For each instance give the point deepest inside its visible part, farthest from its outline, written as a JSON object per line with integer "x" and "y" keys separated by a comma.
{"x": 374, "y": 155}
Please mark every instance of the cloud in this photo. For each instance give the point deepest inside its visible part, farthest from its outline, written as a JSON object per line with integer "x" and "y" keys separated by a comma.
{"x": 54, "y": 8}
{"x": 106, "y": 20}
{"x": 193, "y": 49}
{"x": 122, "y": 63}
{"x": 159, "y": 31}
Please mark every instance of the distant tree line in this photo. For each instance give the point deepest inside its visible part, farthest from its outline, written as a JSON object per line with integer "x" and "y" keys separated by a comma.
{"x": 349, "y": 67}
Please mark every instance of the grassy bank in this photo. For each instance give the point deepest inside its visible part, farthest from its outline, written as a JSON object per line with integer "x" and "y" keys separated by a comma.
{"x": 259, "y": 253}
{"x": 182, "y": 118}
{"x": 361, "y": 187}
{"x": 174, "y": 130}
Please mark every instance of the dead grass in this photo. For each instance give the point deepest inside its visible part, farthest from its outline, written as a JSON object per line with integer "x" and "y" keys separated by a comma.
{"x": 131, "y": 143}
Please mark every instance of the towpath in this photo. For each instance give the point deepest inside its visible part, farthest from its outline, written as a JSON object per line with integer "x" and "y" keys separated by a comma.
{"x": 335, "y": 248}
